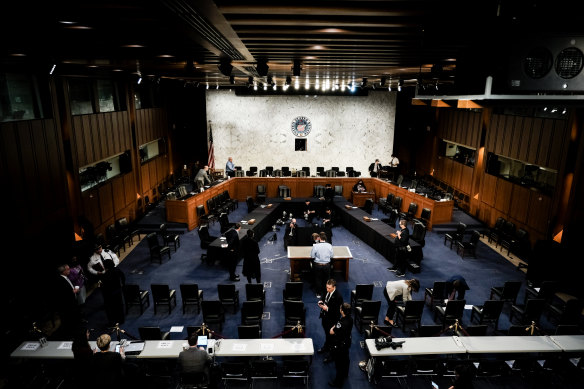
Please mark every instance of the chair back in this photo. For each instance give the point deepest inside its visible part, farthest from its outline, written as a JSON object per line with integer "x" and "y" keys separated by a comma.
{"x": 510, "y": 290}
{"x": 397, "y": 203}
{"x": 413, "y": 208}
{"x": 293, "y": 291}
{"x": 338, "y": 190}
{"x": 426, "y": 213}
{"x": 534, "y": 309}
{"x": 251, "y": 312}
{"x": 475, "y": 237}
{"x": 413, "y": 309}
{"x": 150, "y": 333}
{"x": 152, "y": 240}
{"x": 460, "y": 230}
{"x": 370, "y": 309}
{"x": 254, "y": 292}
{"x": 189, "y": 291}
{"x": 363, "y": 292}
{"x": 492, "y": 310}
{"x": 294, "y": 311}
{"x": 419, "y": 232}
{"x": 160, "y": 292}
{"x": 249, "y": 331}
{"x": 226, "y": 291}
{"x": 131, "y": 293}
{"x": 212, "y": 309}
{"x": 454, "y": 309}
{"x": 261, "y": 189}
{"x": 200, "y": 210}
{"x": 439, "y": 290}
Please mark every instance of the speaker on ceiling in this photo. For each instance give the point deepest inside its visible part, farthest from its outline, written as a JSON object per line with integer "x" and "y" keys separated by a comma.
{"x": 547, "y": 64}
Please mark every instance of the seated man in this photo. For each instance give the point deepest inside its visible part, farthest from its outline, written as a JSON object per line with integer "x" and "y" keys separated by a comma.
{"x": 194, "y": 360}
{"x": 309, "y": 212}
{"x": 329, "y": 193}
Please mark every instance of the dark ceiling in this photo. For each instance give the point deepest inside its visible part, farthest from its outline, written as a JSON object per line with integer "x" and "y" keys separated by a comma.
{"x": 332, "y": 42}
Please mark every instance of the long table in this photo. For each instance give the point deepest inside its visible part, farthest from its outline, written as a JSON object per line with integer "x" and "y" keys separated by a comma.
{"x": 264, "y": 347}
{"x": 375, "y": 233}
{"x": 436, "y": 345}
{"x": 299, "y": 257}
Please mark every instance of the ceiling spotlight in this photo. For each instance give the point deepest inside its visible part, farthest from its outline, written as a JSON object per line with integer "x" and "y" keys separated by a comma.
{"x": 139, "y": 80}
{"x": 389, "y": 88}
{"x": 364, "y": 82}
{"x": 232, "y": 79}
{"x": 382, "y": 81}
{"x": 217, "y": 87}
{"x": 225, "y": 67}
{"x": 262, "y": 67}
{"x": 564, "y": 111}
{"x": 288, "y": 80}
{"x": 53, "y": 68}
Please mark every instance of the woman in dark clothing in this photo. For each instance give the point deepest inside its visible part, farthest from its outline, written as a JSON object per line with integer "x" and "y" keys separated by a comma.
{"x": 112, "y": 283}
{"x": 251, "y": 259}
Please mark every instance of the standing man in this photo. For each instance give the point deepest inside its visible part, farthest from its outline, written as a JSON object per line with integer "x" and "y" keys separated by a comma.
{"x": 329, "y": 314}
{"x": 374, "y": 168}
{"x": 201, "y": 179}
{"x": 341, "y": 333}
{"x": 65, "y": 294}
{"x": 309, "y": 211}
{"x": 393, "y": 164}
{"x": 290, "y": 234}
{"x": 230, "y": 167}
{"x": 194, "y": 359}
{"x": 232, "y": 236}
{"x": 96, "y": 265}
{"x": 321, "y": 254}
{"x": 401, "y": 252}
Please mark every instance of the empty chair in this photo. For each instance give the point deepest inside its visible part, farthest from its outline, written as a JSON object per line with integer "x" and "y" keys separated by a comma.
{"x": 204, "y": 236}
{"x": 547, "y": 290}
{"x": 228, "y": 295}
{"x": 122, "y": 224}
{"x": 437, "y": 292}
{"x": 338, "y": 190}
{"x": 368, "y": 206}
{"x": 300, "y": 173}
{"x": 252, "y": 312}
{"x": 169, "y": 237}
{"x": 470, "y": 246}
{"x": 307, "y": 170}
{"x": 331, "y": 173}
{"x": 263, "y": 173}
{"x": 249, "y": 332}
{"x": 410, "y": 312}
{"x": 568, "y": 313}
{"x": 424, "y": 216}
{"x": 152, "y": 333}
{"x": 529, "y": 312}
{"x": 283, "y": 191}
{"x": 496, "y": 230}
{"x": 263, "y": 369}
{"x": 269, "y": 170}
{"x": 507, "y": 292}
{"x": 455, "y": 236}
{"x": 429, "y": 330}
{"x": 507, "y": 235}
{"x": 255, "y": 292}
{"x": 225, "y": 223}
{"x": 133, "y": 295}
{"x": 397, "y": 203}
{"x": 234, "y": 371}
{"x": 320, "y": 171}
{"x": 319, "y": 191}
{"x": 213, "y": 312}
{"x": 411, "y": 212}
{"x": 419, "y": 233}
{"x": 360, "y": 293}
{"x": 489, "y": 312}
{"x": 251, "y": 205}
{"x": 399, "y": 180}
{"x": 203, "y": 216}
{"x": 293, "y": 291}
{"x": 277, "y": 173}
{"x": 156, "y": 250}
{"x": 261, "y": 193}
{"x": 296, "y": 368}
{"x": 191, "y": 295}
{"x": 452, "y": 312}
{"x": 294, "y": 312}
{"x": 385, "y": 204}
{"x": 163, "y": 295}
{"x": 477, "y": 330}
{"x": 253, "y": 170}
{"x": 368, "y": 312}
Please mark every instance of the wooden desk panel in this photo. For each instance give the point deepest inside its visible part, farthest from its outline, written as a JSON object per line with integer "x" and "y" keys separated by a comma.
{"x": 359, "y": 199}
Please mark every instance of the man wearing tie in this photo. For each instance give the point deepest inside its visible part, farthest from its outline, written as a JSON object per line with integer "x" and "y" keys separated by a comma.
{"x": 330, "y": 314}
{"x": 374, "y": 168}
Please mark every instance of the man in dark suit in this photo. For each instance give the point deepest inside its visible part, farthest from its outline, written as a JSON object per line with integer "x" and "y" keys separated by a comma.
{"x": 232, "y": 237}
{"x": 374, "y": 168}
{"x": 194, "y": 359}
{"x": 330, "y": 313}
{"x": 66, "y": 303}
{"x": 290, "y": 234}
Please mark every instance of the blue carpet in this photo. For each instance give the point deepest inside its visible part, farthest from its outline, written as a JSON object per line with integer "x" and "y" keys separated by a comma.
{"x": 487, "y": 270}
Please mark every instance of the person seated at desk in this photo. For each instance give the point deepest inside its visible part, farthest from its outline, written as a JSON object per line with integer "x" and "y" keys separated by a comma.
{"x": 109, "y": 365}
{"x": 230, "y": 167}
{"x": 309, "y": 212}
{"x": 329, "y": 193}
{"x": 202, "y": 178}
{"x": 375, "y": 168}
{"x": 359, "y": 187}
{"x": 194, "y": 359}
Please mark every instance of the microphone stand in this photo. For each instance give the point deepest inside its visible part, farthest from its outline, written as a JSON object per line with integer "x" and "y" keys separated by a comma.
{"x": 120, "y": 331}
{"x": 297, "y": 327}
{"x": 532, "y": 328}
{"x": 206, "y": 329}
{"x": 375, "y": 326}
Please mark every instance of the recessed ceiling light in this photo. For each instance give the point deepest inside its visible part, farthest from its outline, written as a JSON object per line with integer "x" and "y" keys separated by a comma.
{"x": 133, "y": 46}
{"x": 18, "y": 55}
{"x": 332, "y": 30}
{"x": 165, "y": 56}
{"x": 79, "y": 27}
{"x": 67, "y": 22}
{"x": 317, "y": 47}
{"x": 117, "y": 70}
{"x": 91, "y": 66}
{"x": 309, "y": 57}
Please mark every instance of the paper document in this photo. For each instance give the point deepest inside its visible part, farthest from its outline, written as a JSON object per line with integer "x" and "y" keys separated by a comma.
{"x": 30, "y": 346}
{"x": 65, "y": 346}
{"x": 177, "y": 328}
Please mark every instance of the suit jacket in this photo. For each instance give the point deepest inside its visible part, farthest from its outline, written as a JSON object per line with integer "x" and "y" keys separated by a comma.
{"x": 405, "y": 238}
{"x": 194, "y": 360}
{"x": 330, "y": 317}
{"x": 232, "y": 239}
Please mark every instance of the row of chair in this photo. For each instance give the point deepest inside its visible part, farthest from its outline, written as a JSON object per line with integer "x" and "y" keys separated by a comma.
{"x": 285, "y": 171}
{"x": 463, "y": 246}
{"x": 505, "y": 235}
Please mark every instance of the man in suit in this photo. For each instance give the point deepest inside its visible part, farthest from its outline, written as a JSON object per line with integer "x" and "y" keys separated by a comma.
{"x": 202, "y": 178}
{"x": 330, "y": 313}
{"x": 194, "y": 359}
{"x": 290, "y": 234}
{"x": 374, "y": 168}
{"x": 232, "y": 236}
{"x": 66, "y": 302}
{"x": 402, "y": 242}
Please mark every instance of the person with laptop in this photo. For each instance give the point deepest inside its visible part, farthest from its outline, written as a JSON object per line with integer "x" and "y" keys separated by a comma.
{"x": 194, "y": 360}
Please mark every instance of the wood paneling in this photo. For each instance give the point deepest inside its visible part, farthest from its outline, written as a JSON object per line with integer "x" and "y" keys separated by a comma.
{"x": 151, "y": 124}
{"x": 519, "y": 203}
{"x": 539, "y": 212}
{"x": 118, "y": 192}
{"x": 557, "y": 144}
{"x": 129, "y": 188}
{"x": 459, "y": 126}
{"x": 534, "y": 140}
{"x": 488, "y": 191}
{"x": 545, "y": 143}
{"x": 503, "y": 195}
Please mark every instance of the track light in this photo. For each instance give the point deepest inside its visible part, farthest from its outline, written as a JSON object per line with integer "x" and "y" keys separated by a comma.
{"x": 232, "y": 79}
{"x": 382, "y": 81}
{"x": 262, "y": 67}
{"x": 225, "y": 67}
{"x": 139, "y": 80}
{"x": 288, "y": 80}
{"x": 53, "y": 68}
{"x": 296, "y": 68}
{"x": 364, "y": 82}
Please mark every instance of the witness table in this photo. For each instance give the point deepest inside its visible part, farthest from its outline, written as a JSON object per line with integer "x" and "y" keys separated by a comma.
{"x": 264, "y": 347}
{"x": 299, "y": 257}
{"x": 419, "y": 346}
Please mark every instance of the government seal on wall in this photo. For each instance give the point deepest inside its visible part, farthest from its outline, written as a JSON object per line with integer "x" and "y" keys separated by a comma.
{"x": 301, "y": 126}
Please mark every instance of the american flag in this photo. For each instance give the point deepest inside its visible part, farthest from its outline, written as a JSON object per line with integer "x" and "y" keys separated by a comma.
{"x": 211, "y": 149}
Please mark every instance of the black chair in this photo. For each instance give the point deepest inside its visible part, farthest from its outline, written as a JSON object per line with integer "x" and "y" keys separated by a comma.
{"x": 293, "y": 291}
{"x": 437, "y": 292}
{"x": 270, "y": 170}
{"x": 338, "y": 190}
{"x": 152, "y": 333}
{"x": 453, "y": 311}
{"x": 508, "y": 292}
{"x": 255, "y": 292}
{"x": 419, "y": 234}
{"x": 507, "y": 235}
{"x": 163, "y": 295}
{"x": 330, "y": 173}
{"x": 225, "y": 223}
{"x": 307, "y": 170}
{"x": 476, "y": 330}
{"x": 429, "y": 330}
{"x": 397, "y": 204}
{"x": 361, "y": 293}
{"x": 122, "y": 224}
{"x": 294, "y": 312}
{"x": 253, "y": 170}
{"x": 156, "y": 250}
{"x": 191, "y": 295}
{"x": 385, "y": 204}
{"x": 489, "y": 312}
{"x": 495, "y": 231}
{"x": 188, "y": 380}
{"x": 169, "y": 237}
{"x": 134, "y": 296}
{"x": 252, "y": 312}
{"x": 320, "y": 171}
{"x": 410, "y": 312}
{"x": 283, "y": 191}
{"x": 204, "y": 217}
{"x": 249, "y": 331}
{"x": 263, "y": 173}
{"x": 204, "y": 236}
{"x": 529, "y": 312}
{"x": 213, "y": 312}
{"x": 263, "y": 369}
{"x": 470, "y": 246}
{"x": 114, "y": 242}
{"x": 368, "y": 206}
{"x": 456, "y": 236}
{"x": 234, "y": 371}
{"x": 367, "y": 313}
{"x": 547, "y": 291}
{"x": 261, "y": 193}
{"x": 251, "y": 205}
{"x": 228, "y": 295}
{"x": 424, "y": 216}
{"x": 296, "y": 368}
{"x": 411, "y": 212}
{"x": 568, "y": 313}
